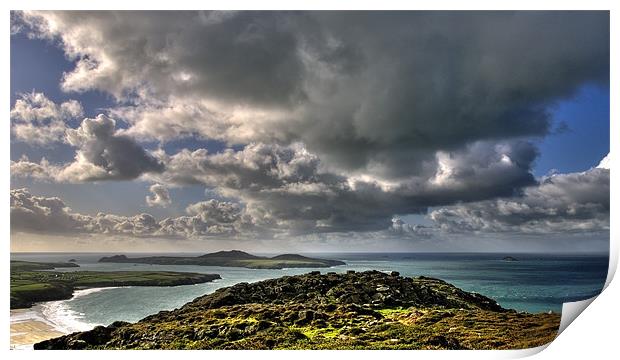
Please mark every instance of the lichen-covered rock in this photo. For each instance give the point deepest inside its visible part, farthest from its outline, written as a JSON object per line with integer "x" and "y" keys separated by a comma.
{"x": 357, "y": 288}
{"x": 356, "y": 310}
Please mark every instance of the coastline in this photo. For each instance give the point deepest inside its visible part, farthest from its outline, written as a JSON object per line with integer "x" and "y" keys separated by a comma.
{"x": 46, "y": 320}
{"x": 231, "y": 276}
{"x": 29, "y": 326}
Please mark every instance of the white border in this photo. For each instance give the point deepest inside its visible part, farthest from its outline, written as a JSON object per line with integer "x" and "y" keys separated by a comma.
{"x": 592, "y": 334}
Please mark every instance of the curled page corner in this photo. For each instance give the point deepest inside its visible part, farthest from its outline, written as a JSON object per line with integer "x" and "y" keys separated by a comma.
{"x": 523, "y": 353}
{"x": 570, "y": 311}
{"x": 613, "y": 263}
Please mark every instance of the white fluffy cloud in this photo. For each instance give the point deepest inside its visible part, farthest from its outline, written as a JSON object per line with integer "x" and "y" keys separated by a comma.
{"x": 50, "y": 215}
{"x": 41, "y": 214}
{"x": 42, "y": 171}
{"x": 38, "y": 120}
{"x": 401, "y": 229}
{"x": 160, "y": 197}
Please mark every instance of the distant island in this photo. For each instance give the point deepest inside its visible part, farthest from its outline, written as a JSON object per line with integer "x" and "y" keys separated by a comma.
{"x": 510, "y": 258}
{"x": 233, "y": 258}
{"x": 29, "y": 284}
{"x": 367, "y": 310}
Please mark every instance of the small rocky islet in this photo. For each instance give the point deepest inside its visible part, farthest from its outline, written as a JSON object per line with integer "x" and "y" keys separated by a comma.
{"x": 509, "y": 258}
{"x": 354, "y": 310}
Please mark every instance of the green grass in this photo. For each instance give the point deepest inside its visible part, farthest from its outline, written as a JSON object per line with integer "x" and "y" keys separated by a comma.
{"x": 313, "y": 333}
{"x": 28, "y": 286}
{"x": 390, "y": 312}
{"x": 274, "y": 264}
{"x": 17, "y": 265}
{"x": 238, "y": 327}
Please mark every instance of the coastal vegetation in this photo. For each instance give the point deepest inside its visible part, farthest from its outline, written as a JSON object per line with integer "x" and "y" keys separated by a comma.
{"x": 31, "y": 283}
{"x": 367, "y": 310}
{"x": 234, "y": 258}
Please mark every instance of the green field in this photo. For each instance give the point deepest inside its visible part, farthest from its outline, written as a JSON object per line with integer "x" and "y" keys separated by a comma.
{"x": 233, "y": 258}
{"x": 30, "y": 285}
{"x": 32, "y": 266}
{"x": 276, "y": 264}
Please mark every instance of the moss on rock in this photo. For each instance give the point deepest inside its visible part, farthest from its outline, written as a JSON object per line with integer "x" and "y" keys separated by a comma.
{"x": 412, "y": 313}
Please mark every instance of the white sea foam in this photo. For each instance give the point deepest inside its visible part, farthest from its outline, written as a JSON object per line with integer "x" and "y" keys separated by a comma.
{"x": 31, "y": 314}
{"x": 84, "y": 292}
{"x": 63, "y": 317}
{"x": 26, "y": 315}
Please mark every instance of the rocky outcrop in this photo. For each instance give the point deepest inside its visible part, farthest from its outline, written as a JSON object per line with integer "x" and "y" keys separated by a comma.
{"x": 367, "y": 310}
{"x": 371, "y": 288}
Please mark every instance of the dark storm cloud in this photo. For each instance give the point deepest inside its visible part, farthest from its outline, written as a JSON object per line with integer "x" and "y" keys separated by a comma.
{"x": 247, "y": 56}
{"x": 105, "y": 155}
{"x": 576, "y": 202}
{"x": 345, "y": 118}
{"x": 286, "y": 188}
{"x": 559, "y": 204}
{"x": 102, "y": 152}
{"x": 377, "y": 91}
{"x": 436, "y": 81}
{"x": 482, "y": 170}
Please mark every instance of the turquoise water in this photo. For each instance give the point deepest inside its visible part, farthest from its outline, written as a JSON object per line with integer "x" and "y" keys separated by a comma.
{"x": 535, "y": 283}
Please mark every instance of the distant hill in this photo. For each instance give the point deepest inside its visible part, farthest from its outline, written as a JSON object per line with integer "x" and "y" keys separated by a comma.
{"x": 232, "y": 254}
{"x": 233, "y": 258}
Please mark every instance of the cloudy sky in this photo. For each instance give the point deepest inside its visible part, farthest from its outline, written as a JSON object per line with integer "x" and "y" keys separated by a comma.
{"x": 310, "y": 131}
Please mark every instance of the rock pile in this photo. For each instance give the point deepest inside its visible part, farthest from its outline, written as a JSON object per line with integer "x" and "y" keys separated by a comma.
{"x": 355, "y": 310}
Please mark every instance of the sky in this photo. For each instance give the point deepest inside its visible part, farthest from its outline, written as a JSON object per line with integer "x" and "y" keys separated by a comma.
{"x": 310, "y": 131}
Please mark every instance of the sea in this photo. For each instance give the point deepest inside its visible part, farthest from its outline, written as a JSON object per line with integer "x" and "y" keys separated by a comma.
{"x": 535, "y": 283}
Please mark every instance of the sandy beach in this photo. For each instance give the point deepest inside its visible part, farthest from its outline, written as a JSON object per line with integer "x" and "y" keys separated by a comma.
{"x": 46, "y": 320}
{"x": 28, "y": 326}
